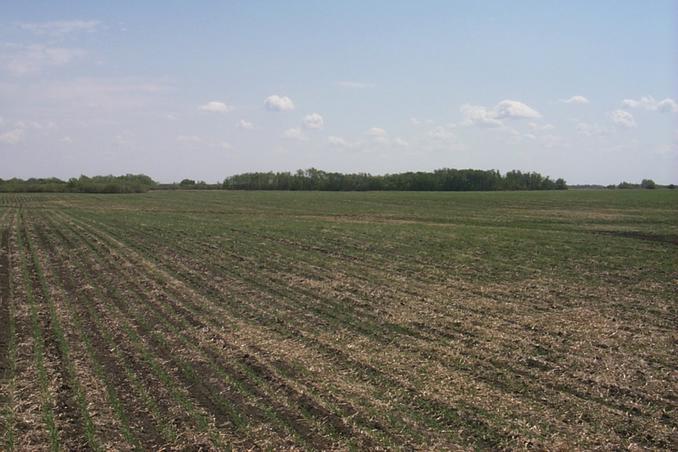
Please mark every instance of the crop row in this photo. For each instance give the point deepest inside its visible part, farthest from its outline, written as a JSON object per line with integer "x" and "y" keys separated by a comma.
{"x": 261, "y": 328}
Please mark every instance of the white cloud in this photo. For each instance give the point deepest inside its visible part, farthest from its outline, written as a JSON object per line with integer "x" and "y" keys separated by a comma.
{"x": 313, "y": 121}
{"x": 649, "y": 103}
{"x": 215, "y": 107}
{"x": 400, "y": 142}
{"x": 340, "y": 142}
{"x": 667, "y": 106}
{"x": 12, "y": 137}
{"x": 377, "y": 134}
{"x": 581, "y": 100}
{"x": 478, "y": 115}
{"x": 352, "y": 84}
{"x": 631, "y": 103}
{"x": 21, "y": 60}
{"x": 623, "y": 118}
{"x": 278, "y": 103}
{"x": 512, "y": 109}
{"x": 67, "y": 140}
{"x": 60, "y": 27}
{"x": 225, "y": 145}
{"x": 47, "y": 125}
{"x": 441, "y": 133}
{"x": 294, "y": 134}
{"x": 246, "y": 125}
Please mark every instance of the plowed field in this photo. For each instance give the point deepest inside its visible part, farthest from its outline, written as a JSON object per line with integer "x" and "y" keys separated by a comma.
{"x": 253, "y": 320}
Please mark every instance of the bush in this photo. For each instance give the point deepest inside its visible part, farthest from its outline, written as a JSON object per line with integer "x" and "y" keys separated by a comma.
{"x": 648, "y": 183}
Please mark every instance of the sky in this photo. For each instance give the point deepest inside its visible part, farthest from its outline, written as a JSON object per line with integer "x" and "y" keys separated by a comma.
{"x": 583, "y": 90}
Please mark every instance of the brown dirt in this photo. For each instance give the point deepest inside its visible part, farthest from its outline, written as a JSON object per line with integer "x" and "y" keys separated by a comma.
{"x": 143, "y": 425}
{"x": 204, "y": 393}
{"x": 66, "y": 408}
{"x": 141, "y": 282}
{"x": 339, "y": 341}
{"x": 4, "y": 303}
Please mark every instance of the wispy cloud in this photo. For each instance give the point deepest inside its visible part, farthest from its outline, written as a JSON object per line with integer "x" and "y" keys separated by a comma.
{"x": 442, "y": 134}
{"x": 85, "y": 100}
{"x": 540, "y": 127}
{"x": 215, "y": 107}
{"x": 60, "y": 28}
{"x": 340, "y": 142}
{"x": 20, "y": 60}
{"x": 245, "y": 125}
{"x": 580, "y": 100}
{"x": 418, "y": 121}
{"x": 397, "y": 141}
{"x": 589, "y": 130}
{"x": 377, "y": 134}
{"x": 649, "y": 103}
{"x": 14, "y": 136}
{"x": 294, "y": 133}
{"x": 103, "y": 93}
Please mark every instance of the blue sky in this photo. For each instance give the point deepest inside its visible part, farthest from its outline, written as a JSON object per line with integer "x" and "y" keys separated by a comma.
{"x": 581, "y": 90}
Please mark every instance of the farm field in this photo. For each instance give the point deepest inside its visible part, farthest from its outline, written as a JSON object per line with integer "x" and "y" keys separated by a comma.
{"x": 318, "y": 321}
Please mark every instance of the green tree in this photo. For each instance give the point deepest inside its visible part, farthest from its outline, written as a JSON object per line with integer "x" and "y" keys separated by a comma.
{"x": 648, "y": 183}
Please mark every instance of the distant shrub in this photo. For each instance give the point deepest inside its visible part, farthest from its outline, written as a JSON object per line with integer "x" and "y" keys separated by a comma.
{"x": 648, "y": 183}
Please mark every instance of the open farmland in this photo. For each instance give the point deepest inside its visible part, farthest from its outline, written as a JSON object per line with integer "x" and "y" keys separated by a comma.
{"x": 339, "y": 320}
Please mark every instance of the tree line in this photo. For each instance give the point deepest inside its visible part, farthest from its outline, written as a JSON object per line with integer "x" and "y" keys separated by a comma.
{"x": 645, "y": 183}
{"x": 129, "y": 183}
{"x": 445, "y": 179}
